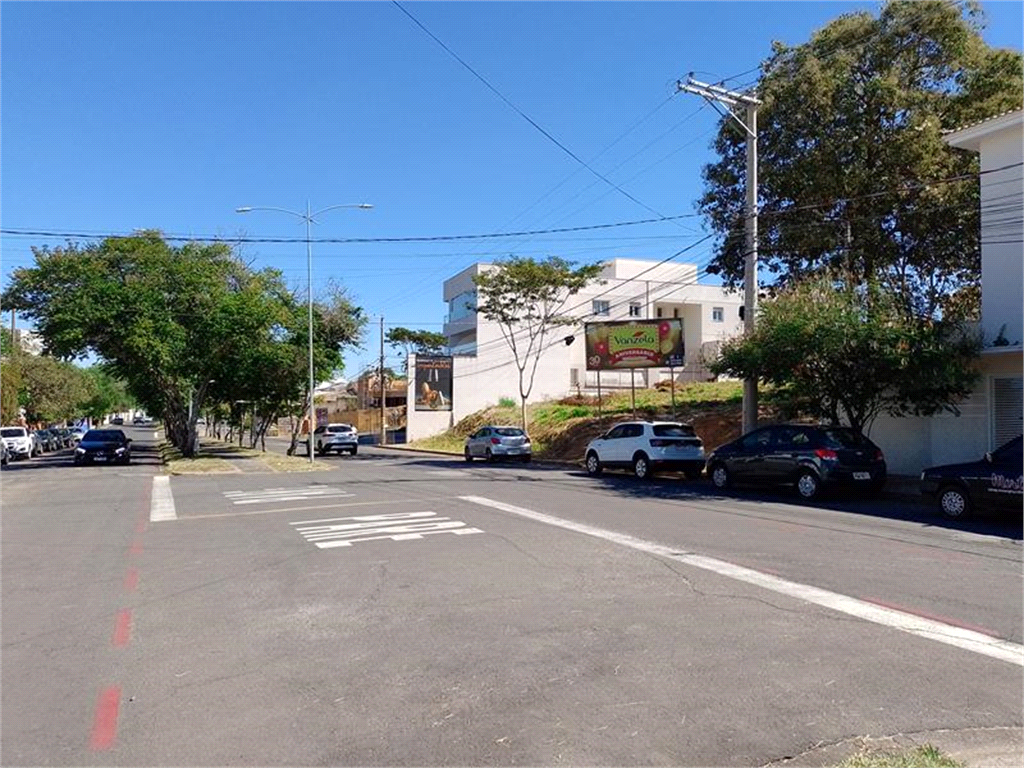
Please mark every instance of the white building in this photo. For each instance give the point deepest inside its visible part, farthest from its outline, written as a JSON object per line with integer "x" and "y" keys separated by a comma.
{"x": 992, "y": 414}
{"x": 483, "y": 367}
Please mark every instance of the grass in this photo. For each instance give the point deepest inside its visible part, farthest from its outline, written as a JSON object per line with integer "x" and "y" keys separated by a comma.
{"x": 208, "y": 463}
{"x": 559, "y": 428}
{"x": 920, "y": 757}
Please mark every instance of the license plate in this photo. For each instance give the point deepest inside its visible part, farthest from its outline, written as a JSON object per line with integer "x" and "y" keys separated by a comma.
{"x": 861, "y": 475}
{"x": 100, "y": 458}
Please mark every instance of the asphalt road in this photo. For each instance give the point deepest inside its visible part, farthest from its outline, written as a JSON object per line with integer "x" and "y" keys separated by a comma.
{"x": 414, "y": 610}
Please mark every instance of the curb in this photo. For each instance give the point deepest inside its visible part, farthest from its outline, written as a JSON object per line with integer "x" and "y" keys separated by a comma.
{"x": 551, "y": 462}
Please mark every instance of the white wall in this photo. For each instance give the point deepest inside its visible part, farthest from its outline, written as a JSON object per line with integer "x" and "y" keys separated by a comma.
{"x": 1002, "y": 261}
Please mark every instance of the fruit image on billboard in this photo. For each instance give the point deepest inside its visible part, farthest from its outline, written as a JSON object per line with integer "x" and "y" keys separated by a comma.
{"x": 635, "y": 344}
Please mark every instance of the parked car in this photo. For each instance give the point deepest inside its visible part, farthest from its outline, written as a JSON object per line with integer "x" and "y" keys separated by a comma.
{"x": 336, "y": 437}
{"x": 117, "y": 420}
{"x": 994, "y": 482}
{"x": 140, "y": 420}
{"x": 45, "y": 440}
{"x": 65, "y": 436}
{"x": 4, "y": 454}
{"x": 76, "y": 433}
{"x": 496, "y": 442}
{"x": 647, "y": 447}
{"x": 18, "y": 441}
{"x": 109, "y": 445}
{"x": 811, "y": 458}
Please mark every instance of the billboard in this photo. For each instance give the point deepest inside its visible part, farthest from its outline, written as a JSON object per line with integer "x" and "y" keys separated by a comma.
{"x": 622, "y": 344}
{"x": 433, "y": 383}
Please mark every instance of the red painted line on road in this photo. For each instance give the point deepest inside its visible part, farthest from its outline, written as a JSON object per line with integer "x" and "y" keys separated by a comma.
{"x": 131, "y": 580}
{"x": 122, "y": 628}
{"x": 104, "y": 725}
{"x": 933, "y": 617}
{"x": 140, "y": 526}
{"x": 136, "y": 548}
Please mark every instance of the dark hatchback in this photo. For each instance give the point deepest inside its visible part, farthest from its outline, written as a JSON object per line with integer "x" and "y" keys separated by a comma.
{"x": 109, "y": 445}
{"x": 995, "y": 483}
{"x": 811, "y": 458}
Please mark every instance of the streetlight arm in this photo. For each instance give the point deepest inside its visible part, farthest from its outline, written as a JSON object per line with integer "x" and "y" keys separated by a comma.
{"x": 249, "y": 208}
{"x": 364, "y": 206}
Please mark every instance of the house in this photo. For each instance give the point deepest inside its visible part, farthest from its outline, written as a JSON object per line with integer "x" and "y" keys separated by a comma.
{"x": 993, "y": 412}
{"x": 483, "y": 370}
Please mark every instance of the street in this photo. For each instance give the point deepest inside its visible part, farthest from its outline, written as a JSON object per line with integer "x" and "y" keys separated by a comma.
{"x": 410, "y": 609}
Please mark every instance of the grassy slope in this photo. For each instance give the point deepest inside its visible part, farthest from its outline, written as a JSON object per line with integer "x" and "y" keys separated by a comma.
{"x": 561, "y": 429}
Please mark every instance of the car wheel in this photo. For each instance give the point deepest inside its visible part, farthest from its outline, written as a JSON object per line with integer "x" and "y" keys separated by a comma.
{"x": 527, "y": 459}
{"x": 593, "y": 463}
{"x": 642, "y": 467}
{"x": 319, "y": 449}
{"x": 720, "y": 477}
{"x": 468, "y": 455}
{"x": 490, "y": 456}
{"x": 808, "y": 485}
{"x": 354, "y": 450}
{"x": 954, "y": 503}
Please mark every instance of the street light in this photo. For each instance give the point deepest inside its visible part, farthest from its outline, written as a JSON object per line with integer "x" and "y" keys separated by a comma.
{"x": 309, "y": 218}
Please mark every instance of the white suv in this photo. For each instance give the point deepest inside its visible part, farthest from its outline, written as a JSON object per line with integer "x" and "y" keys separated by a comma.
{"x": 20, "y": 444}
{"x": 646, "y": 447}
{"x": 336, "y": 437}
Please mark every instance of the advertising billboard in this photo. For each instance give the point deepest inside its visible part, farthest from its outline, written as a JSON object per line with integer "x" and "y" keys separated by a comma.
{"x": 433, "y": 383}
{"x": 622, "y": 344}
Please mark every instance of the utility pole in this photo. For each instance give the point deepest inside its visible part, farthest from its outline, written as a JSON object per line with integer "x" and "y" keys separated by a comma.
{"x": 716, "y": 95}
{"x": 383, "y": 390}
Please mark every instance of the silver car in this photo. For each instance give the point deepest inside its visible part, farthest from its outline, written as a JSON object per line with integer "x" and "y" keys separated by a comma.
{"x": 493, "y": 443}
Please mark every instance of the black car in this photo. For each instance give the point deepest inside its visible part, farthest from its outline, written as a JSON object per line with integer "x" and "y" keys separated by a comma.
{"x": 811, "y": 458}
{"x": 993, "y": 483}
{"x": 110, "y": 445}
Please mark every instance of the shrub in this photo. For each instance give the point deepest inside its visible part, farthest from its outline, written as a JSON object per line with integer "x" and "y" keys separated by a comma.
{"x": 506, "y": 402}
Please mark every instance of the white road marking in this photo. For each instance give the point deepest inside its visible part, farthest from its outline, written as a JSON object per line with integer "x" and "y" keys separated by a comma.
{"x": 161, "y": 503}
{"x": 930, "y": 629}
{"x": 302, "y": 509}
{"x": 397, "y": 526}
{"x": 270, "y": 495}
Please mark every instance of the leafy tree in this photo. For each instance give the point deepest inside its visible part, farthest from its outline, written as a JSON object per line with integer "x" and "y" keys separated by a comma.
{"x": 107, "y": 394}
{"x": 51, "y": 390}
{"x": 850, "y": 354}
{"x": 10, "y": 386}
{"x": 418, "y": 342}
{"x": 849, "y": 139}
{"x": 167, "y": 320}
{"x": 525, "y": 298}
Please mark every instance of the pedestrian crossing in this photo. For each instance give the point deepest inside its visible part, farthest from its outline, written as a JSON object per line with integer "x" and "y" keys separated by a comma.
{"x": 394, "y": 526}
{"x": 271, "y": 495}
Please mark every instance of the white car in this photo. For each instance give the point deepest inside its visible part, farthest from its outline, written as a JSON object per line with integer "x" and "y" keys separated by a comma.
{"x": 20, "y": 444}
{"x": 646, "y": 447}
{"x": 336, "y": 437}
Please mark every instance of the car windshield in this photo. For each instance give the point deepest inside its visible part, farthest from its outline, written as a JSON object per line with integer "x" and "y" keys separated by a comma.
{"x": 673, "y": 430}
{"x": 97, "y": 435}
{"x": 844, "y": 437}
{"x": 340, "y": 428}
{"x": 508, "y": 431}
{"x": 12, "y": 432}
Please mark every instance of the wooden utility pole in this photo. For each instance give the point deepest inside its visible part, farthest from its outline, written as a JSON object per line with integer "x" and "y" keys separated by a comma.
{"x": 383, "y": 389}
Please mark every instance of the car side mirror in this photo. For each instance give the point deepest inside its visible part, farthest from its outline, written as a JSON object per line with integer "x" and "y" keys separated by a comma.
{"x": 127, "y": 439}
{"x": 988, "y": 456}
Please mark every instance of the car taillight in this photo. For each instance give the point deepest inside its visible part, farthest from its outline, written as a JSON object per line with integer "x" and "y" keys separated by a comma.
{"x": 826, "y": 453}
{"x": 879, "y": 456}
{"x": 495, "y": 441}
{"x": 660, "y": 443}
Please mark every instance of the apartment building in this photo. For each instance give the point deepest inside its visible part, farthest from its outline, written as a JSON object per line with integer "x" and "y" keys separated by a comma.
{"x": 483, "y": 367}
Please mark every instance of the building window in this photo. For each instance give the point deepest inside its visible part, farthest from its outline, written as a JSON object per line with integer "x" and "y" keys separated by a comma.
{"x": 659, "y": 311}
{"x": 675, "y": 311}
{"x": 718, "y": 314}
{"x": 601, "y": 307}
{"x": 574, "y": 377}
{"x": 635, "y": 310}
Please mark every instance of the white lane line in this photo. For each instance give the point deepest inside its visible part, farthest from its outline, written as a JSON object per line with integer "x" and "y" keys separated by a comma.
{"x": 297, "y": 497}
{"x": 930, "y": 629}
{"x": 161, "y": 503}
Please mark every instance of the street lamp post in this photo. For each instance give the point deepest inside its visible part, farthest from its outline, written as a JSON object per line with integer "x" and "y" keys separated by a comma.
{"x": 310, "y": 219}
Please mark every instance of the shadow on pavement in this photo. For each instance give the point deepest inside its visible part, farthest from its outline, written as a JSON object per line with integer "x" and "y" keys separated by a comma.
{"x": 145, "y": 455}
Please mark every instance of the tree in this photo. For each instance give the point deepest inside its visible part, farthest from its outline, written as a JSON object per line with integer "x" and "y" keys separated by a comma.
{"x": 419, "y": 342}
{"x": 51, "y": 390}
{"x": 525, "y": 298}
{"x": 851, "y": 353}
{"x": 108, "y": 394}
{"x": 851, "y": 155}
{"x": 165, "y": 319}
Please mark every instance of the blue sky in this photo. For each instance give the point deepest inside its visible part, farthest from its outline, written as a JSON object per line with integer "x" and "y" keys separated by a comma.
{"x": 121, "y": 116}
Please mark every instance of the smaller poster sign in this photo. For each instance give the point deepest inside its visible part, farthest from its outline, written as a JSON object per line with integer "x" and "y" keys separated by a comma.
{"x": 433, "y": 383}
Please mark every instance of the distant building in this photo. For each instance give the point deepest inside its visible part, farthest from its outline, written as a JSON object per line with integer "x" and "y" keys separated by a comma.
{"x": 627, "y": 289}
{"x": 29, "y": 341}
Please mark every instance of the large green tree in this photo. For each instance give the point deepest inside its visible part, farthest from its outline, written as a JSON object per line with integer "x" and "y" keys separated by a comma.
{"x": 416, "y": 341}
{"x": 850, "y": 141}
{"x": 171, "y": 322}
{"x": 849, "y": 354}
{"x": 51, "y": 390}
{"x": 526, "y": 299}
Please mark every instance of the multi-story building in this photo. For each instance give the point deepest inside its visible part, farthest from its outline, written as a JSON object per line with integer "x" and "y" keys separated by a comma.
{"x": 484, "y": 371}
{"x": 993, "y": 412}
